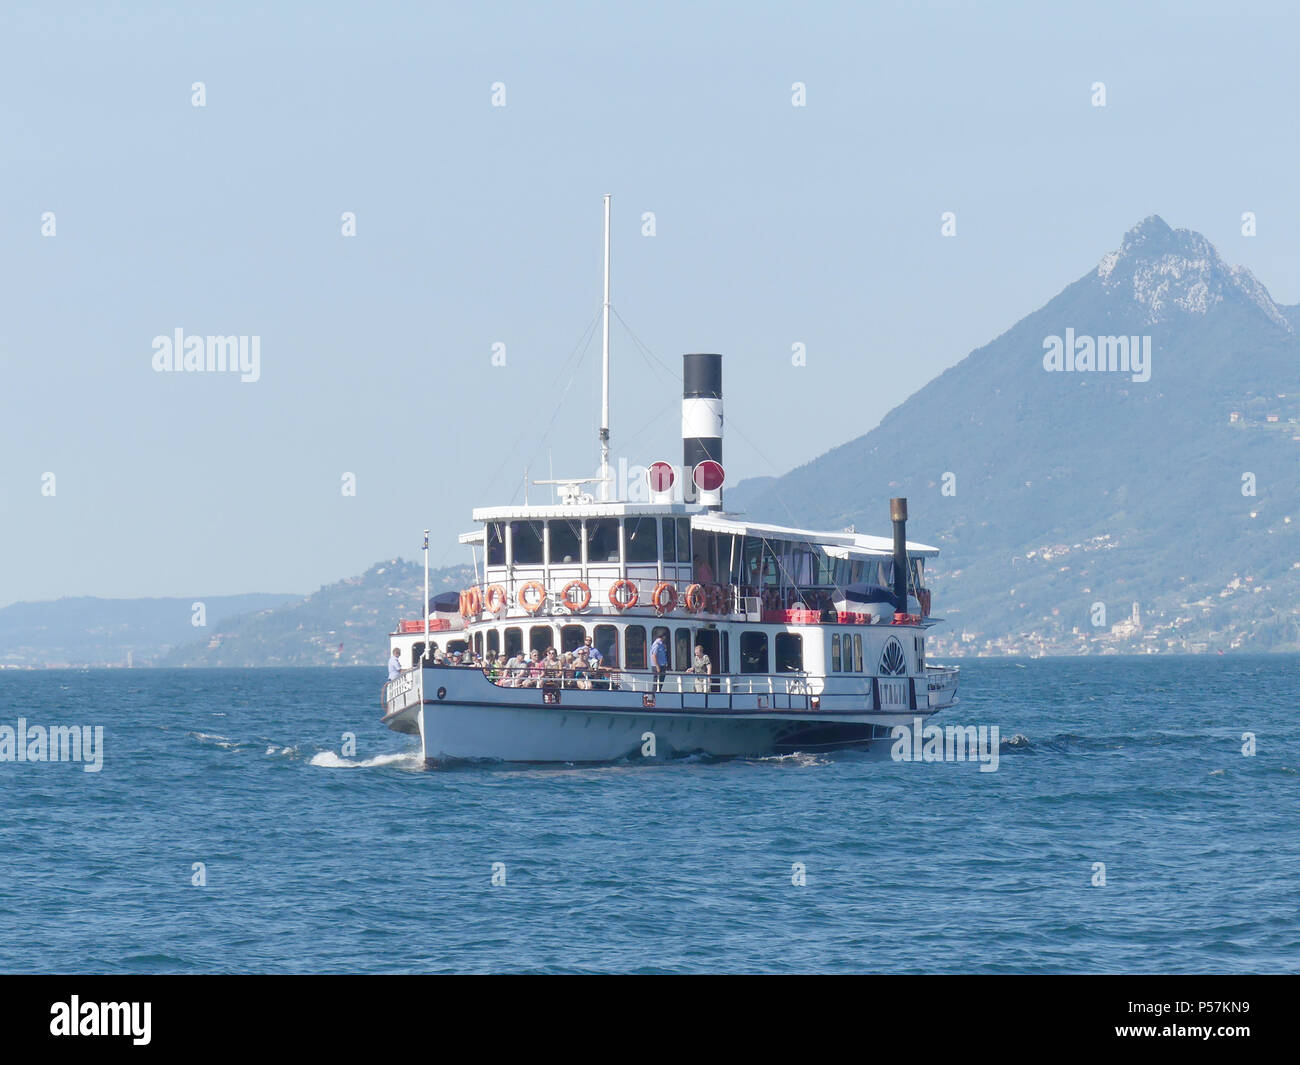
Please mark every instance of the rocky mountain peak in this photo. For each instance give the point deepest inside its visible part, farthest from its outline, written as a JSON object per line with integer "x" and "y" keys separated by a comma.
{"x": 1171, "y": 272}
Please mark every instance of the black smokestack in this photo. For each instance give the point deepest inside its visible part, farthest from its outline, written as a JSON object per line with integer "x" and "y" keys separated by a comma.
{"x": 898, "y": 515}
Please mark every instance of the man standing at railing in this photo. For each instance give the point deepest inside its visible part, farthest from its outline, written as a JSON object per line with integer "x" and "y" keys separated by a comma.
{"x": 659, "y": 661}
{"x": 701, "y": 666}
{"x": 395, "y": 664}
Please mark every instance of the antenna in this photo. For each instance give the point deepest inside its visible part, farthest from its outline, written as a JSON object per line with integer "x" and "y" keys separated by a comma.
{"x": 604, "y": 396}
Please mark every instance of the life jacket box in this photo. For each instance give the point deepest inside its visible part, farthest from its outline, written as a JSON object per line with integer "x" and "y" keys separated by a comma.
{"x": 435, "y": 625}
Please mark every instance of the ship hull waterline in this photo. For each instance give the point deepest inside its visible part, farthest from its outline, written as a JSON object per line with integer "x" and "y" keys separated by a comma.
{"x": 519, "y": 726}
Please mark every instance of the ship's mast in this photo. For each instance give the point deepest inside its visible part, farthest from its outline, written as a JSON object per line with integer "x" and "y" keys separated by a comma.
{"x": 604, "y": 396}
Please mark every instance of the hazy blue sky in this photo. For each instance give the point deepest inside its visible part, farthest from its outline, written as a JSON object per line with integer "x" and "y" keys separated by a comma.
{"x": 479, "y": 224}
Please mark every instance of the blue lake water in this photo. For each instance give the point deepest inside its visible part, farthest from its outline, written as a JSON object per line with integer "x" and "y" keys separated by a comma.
{"x": 317, "y": 862}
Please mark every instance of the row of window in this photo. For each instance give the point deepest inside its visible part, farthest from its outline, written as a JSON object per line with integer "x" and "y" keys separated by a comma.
{"x": 786, "y": 647}
{"x": 567, "y": 537}
{"x": 748, "y": 561}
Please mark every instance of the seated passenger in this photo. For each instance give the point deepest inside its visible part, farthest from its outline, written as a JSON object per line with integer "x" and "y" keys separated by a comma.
{"x": 582, "y": 669}
{"x": 536, "y": 671}
{"x": 514, "y": 670}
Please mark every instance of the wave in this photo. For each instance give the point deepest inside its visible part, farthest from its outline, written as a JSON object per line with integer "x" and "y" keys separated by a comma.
{"x": 400, "y": 759}
{"x": 1072, "y": 742}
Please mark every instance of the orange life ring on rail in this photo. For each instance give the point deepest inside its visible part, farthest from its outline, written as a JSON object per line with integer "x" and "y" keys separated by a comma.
{"x": 522, "y": 596}
{"x": 495, "y": 600}
{"x": 694, "y": 598}
{"x": 617, "y": 600}
{"x": 473, "y": 601}
{"x": 583, "y": 602}
{"x": 665, "y": 597}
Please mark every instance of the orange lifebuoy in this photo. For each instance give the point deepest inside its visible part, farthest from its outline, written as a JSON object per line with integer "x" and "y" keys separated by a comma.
{"x": 584, "y": 592}
{"x": 532, "y": 586}
{"x": 617, "y": 600}
{"x": 665, "y": 597}
{"x": 695, "y": 598}
{"x": 473, "y": 601}
{"x": 464, "y": 605}
{"x": 496, "y": 599}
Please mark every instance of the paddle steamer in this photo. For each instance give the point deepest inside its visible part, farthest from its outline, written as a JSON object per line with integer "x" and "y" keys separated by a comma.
{"x": 816, "y": 640}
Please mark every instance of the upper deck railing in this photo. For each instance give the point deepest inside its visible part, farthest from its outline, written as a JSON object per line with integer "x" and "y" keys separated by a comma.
{"x": 524, "y": 597}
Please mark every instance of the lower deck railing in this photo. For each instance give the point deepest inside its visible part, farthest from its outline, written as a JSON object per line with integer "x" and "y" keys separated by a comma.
{"x": 744, "y": 692}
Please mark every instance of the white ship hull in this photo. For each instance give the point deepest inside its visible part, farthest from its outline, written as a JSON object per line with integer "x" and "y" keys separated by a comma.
{"x": 458, "y": 714}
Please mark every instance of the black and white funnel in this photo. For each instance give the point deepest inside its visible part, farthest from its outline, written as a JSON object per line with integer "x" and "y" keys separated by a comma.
{"x": 702, "y": 426}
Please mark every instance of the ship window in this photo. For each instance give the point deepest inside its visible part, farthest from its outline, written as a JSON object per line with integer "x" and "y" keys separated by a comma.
{"x": 571, "y": 637}
{"x": 724, "y": 663}
{"x": 683, "y": 539}
{"x": 566, "y": 543}
{"x": 682, "y": 650}
{"x": 526, "y": 541}
{"x": 605, "y": 639}
{"x": 640, "y": 538}
{"x": 478, "y": 644}
{"x": 494, "y": 641}
{"x": 635, "y": 637}
{"x": 789, "y": 652}
{"x": 540, "y": 637}
{"x": 456, "y": 645}
{"x": 825, "y": 568}
{"x": 835, "y": 652}
{"x": 602, "y": 540}
{"x": 496, "y": 543}
{"x": 417, "y": 652}
{"x": 514, "y": 641}
{"x": 753, "y": 652}
{"x": 857, "y": 651}
{"x": 670, "y": 541}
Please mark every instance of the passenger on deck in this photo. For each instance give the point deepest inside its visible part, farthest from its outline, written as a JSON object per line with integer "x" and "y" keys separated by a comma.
{"x": 659, "y": 661}
{"x": 514, "y": 670}
{"x": 536, "y": 671}
{"x": 703, "y": 573}
{"x": 395, "y": 664}
{"x": 701, "y": 666}
{"x": 593, "y": 654}
{"x": 582, "y": 669}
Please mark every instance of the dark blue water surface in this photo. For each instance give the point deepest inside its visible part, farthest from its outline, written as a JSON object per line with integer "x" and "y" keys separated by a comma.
{"x": 316, "y": 862}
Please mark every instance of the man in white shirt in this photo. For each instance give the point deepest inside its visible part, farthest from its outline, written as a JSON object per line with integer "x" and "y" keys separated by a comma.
{"x": 395, "y": 664}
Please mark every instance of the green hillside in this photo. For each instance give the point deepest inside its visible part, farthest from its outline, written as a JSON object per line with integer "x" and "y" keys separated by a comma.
{"x": 357, "y": 613}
